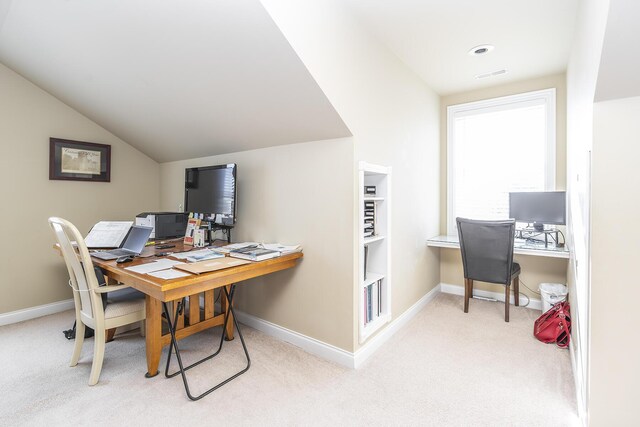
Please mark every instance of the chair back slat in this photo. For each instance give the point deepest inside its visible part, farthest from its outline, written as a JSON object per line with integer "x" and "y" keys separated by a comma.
{"x": 79, "y": 265}
{"x": 487, "y": 249}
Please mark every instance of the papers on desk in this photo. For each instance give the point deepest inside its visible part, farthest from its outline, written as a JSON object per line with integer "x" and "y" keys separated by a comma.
{"x": 150, "y": 267}
{"x": 279, "y": 247}
{"x": 169, "y": 274}
{"x": 199, "y": 255}
{"x": 107, "y": 234}
{"x": 283, "y": 249}
{"x": 234, "y": 246}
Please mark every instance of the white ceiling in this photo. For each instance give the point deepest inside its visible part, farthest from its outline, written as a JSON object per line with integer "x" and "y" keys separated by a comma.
{"x": 619, "y": 73}
{"x": 175, "y": 80}
{"x": 532, "y": 38}
{"x": 208, "y": 77}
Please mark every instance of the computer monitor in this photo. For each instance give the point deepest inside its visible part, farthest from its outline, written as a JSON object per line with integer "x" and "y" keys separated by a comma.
{"x": 538, "y": 207}
{"x": 211, "y": 190}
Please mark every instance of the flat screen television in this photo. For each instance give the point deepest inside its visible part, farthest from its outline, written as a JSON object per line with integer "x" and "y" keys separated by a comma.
{"x": 538, "y": 207}
{"x": 211, "y": 190}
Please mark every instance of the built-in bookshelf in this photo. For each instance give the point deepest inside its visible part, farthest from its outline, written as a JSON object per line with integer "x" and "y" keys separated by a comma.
{"x": 374, "y": 279}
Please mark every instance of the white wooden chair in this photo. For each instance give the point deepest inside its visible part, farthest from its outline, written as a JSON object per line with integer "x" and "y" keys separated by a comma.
{"x": 87, "y": 296}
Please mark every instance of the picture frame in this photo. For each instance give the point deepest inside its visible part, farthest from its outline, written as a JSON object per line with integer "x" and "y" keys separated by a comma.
{"x": 79, "y": 161}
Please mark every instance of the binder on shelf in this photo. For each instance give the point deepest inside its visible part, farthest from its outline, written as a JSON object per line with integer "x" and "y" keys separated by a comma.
{"x": 369, "y": 303}
{"x": 366, "y": 255}
{"x": 379, "y": 296}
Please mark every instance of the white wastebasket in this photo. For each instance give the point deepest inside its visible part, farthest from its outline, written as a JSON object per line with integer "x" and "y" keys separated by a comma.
{"x": 552, "y": 293}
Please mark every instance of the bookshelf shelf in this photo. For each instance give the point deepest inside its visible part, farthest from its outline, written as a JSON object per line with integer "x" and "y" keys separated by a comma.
{"x": 373, "y": 239}
{"x": 371, "y": 278}
{"x": 374, "y": 214}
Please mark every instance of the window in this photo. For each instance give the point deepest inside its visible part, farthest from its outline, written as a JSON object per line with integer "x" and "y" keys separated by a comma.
{"x": 497, "y": 146}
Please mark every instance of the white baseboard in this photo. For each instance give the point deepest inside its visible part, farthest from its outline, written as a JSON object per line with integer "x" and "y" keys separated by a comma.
{"x": 383, "y": 336}
{"x": 34, "y": 312}
{"x": 446, "y": 288}
{"x": 328, "y": 351}
{"x": 308, "y": 344}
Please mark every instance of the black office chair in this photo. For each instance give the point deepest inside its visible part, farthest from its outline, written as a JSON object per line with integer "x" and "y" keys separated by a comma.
{"x": 487, "y": 255}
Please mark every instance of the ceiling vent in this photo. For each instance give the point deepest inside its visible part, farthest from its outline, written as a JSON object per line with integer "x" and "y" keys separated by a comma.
{"x": 491, "y": 74}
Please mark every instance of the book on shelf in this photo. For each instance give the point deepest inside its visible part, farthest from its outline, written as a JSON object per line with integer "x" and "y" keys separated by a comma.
{"x": 379, "y": 297}
{"x": 364, "y": 311}
{"x": 254, "y": 254}
{"x": 366, "y": 256}
{"x": 372, "y": 301}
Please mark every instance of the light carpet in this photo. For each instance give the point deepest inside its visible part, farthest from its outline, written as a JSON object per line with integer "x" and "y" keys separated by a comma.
{"x": 444, "y": 368}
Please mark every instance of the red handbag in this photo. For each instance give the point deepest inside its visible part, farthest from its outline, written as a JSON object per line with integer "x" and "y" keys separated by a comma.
{"x": 554, "y": 326}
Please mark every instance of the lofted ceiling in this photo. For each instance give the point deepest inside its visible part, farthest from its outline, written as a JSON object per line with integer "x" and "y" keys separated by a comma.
{"x": 175, "y": 81}
{"x": 532, "y": 38}
{"x": 180, "y": 80}
{"x": 619, "y": 73}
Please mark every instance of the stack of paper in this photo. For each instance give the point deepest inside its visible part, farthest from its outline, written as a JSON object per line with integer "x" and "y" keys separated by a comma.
{"x": 200, "y": 255}
{"x": 149, "y": 267}
{"x": 234, "y": 246}
{"x": 283, "y": 249}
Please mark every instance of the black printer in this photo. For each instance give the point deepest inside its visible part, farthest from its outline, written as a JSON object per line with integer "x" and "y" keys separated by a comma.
{"x": 166, "y": 225}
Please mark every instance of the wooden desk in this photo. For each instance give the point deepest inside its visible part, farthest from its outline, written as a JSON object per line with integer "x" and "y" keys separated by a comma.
{"x": 158, "y": 291}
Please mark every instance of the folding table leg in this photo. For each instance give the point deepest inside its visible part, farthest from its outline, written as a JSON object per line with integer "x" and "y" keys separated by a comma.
{"x": 174, "y": 344}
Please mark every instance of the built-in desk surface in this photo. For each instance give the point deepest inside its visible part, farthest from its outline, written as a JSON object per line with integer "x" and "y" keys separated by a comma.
{"x": 521, "y": 247}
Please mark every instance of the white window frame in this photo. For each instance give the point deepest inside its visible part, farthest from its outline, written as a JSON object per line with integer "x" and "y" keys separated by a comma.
{"x": 547, "y": 96}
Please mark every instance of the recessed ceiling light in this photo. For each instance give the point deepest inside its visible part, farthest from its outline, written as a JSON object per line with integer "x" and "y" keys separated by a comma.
{"x": 491, "y": 74}
{"x": 481, "y": 50}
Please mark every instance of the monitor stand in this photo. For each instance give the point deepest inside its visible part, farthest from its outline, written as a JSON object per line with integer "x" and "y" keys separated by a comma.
{"x": 536, "y": 230}
{"x": 225, "y": 228}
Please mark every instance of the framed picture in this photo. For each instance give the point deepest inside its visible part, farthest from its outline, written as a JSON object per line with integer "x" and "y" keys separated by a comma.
{"x": 79, "y": 161}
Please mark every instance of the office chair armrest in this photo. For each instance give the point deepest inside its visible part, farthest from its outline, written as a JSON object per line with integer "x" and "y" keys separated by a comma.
{"x": 104, "y": 289}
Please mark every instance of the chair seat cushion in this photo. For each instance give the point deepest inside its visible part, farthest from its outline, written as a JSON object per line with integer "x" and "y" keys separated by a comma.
{"x": 123, "y": 308}
{"x": 126, "y": 294}
{"x": 515, "y": 269}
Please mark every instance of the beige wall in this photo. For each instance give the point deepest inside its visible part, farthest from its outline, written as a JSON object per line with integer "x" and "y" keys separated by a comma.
{"x": 393, "y": 117}
{"x": 32, "y": 273}
{"x": 582, "y": 75}
{"x": 292, "y": 194}
{"x": 535, "y": 270}
{"x": 614, "y": 346}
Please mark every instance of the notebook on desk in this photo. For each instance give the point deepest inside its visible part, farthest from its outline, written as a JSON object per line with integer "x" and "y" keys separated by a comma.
{"x": 133, "y": 244}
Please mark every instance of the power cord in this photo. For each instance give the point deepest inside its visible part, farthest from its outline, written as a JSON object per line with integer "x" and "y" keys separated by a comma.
{"x": 525, "y": 285}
